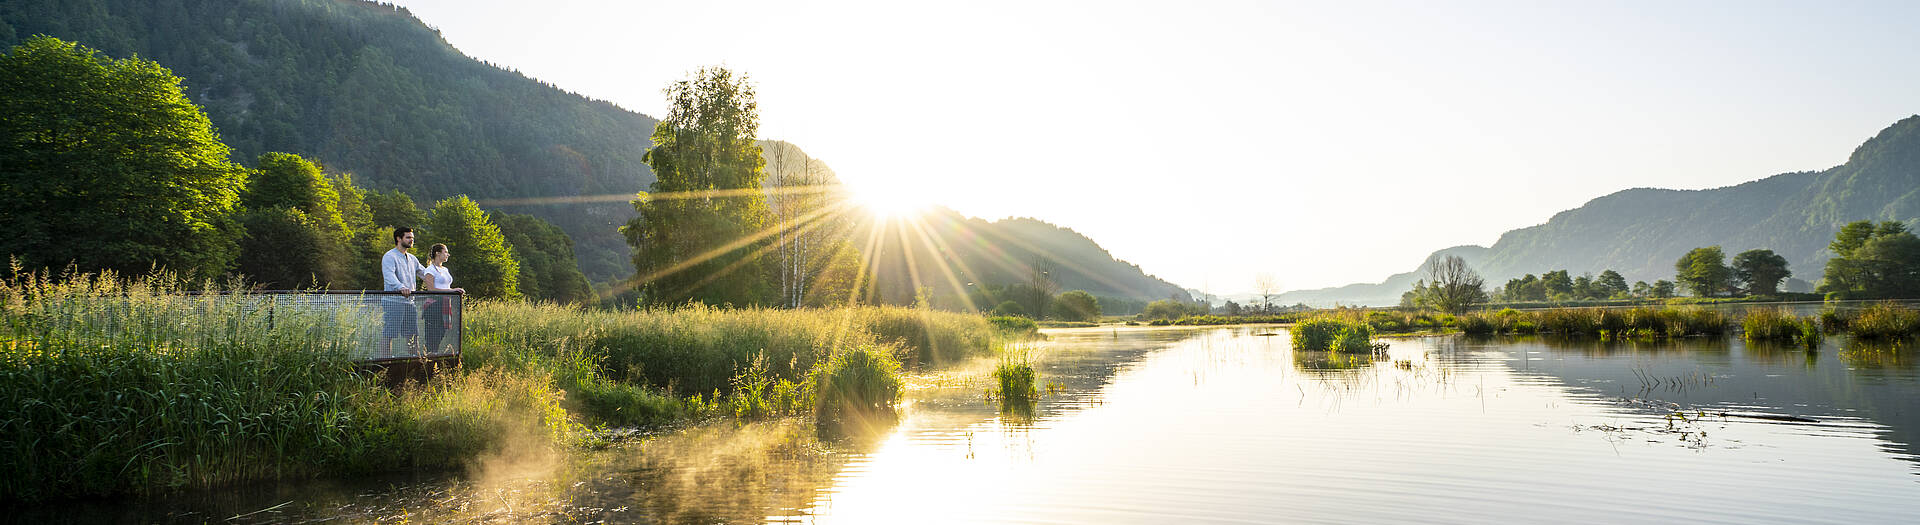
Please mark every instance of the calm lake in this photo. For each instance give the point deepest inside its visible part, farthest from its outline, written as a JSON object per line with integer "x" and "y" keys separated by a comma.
{"x": 1229, "y": 425}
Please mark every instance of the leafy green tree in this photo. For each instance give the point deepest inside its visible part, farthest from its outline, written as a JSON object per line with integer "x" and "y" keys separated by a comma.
{"x": 1663, "y": 289}
{"x": 1077, "y": 305}
{"x": 295, "y": 234}
{"x": 284, "y": 248}
{"x": 694, "y": 243}
{"x": 482, "y": 262}
{"x": 1642, "y": 290}
{"x": 1557, "y": 284}
{"x": 1010, "y": 307}
{"x": 547, "y": 268}
{"x": 1874, "y": 262}
{"x": 394, "y": 208}
{"x": 1760, "y": 270}
{"x": 1583, "y": 288}
{"x": 106, "y": 164}
{"x": 1611, "y": 284}
{"x": 1703, "y": 271}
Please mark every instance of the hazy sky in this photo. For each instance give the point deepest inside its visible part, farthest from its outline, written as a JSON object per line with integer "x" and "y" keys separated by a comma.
{"x": 1324, "y": 143}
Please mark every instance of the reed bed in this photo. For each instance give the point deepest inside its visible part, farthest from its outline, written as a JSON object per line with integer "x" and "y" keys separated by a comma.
{"x": 1876, "y": 321}
{"x": 1642, "y": 322}
{"x": 117, "y": 386}
{"x": 133, "y": 386}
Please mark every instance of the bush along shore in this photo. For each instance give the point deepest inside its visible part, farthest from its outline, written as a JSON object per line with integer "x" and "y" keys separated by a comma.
{"x": 1877, "y": 321}
{"x": 129, "y": 386}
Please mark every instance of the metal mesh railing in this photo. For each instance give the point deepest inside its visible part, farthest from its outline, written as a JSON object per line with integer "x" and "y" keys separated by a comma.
{"x": 393, "y": 326}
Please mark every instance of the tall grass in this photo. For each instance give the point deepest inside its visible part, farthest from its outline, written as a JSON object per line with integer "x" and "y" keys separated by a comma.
{"x": 1639, "y": 322}
{"x": 1884, "y": 321}
{"x": 115, "y": 386}
{"x": 132, "y": 386}
{"x": 1332, "y": 333}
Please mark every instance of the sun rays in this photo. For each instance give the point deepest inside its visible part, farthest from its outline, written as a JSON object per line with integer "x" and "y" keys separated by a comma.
{"x": 905, "y": 250}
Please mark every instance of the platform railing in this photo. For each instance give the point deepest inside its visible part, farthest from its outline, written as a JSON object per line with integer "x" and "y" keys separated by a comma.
{"x": 424, "y": 325}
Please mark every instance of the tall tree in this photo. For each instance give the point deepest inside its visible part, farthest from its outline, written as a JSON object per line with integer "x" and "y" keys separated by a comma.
{"x": 1873, "y": 262}
{"x": 105, "y": 164}
{"x": 1611, "y": 284}
{"x": 1760, "y": 270}
{"x": 295, "y": 234}
{"x": 801, "y": 195}
{"x": 1077, "y": 305}
{"x": 545, "y": 253}
{"x": 1452, "y": 286}
{"x": 698, "y": 236}
{"x": 1557, "y": 284}
{"x": 1703, "y": 271}
{"x": 481, "y": 261}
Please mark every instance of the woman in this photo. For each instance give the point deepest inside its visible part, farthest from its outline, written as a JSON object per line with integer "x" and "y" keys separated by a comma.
{"x": 437, "y": 310}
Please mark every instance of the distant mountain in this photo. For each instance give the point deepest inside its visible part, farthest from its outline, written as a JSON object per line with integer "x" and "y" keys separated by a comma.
{"x": 998, "y": 253}
{"x": 1640, "y": 232}
{"x": 366, "y": 88}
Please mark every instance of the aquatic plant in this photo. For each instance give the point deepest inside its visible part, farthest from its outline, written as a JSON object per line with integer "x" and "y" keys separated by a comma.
{"x": 856, "y": 385}
{"x": 1769, "y": 324}
{"x": 1015, "y": 327}
{"x": 1316, "y": 334}
{"x": 1018, "y": 384}
{"x": 1354, "y": 338}
{"x": 1884, "y": 321}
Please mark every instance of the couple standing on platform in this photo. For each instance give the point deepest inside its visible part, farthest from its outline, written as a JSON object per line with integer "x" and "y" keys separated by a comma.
{"x": 400, "y": 270}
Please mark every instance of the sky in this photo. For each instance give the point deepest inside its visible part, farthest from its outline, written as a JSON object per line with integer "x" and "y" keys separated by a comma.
{"x": 1212, "y": 142}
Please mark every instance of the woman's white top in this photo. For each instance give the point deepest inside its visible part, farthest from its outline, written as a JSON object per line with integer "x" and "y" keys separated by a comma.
{"x": 441, "y": 279}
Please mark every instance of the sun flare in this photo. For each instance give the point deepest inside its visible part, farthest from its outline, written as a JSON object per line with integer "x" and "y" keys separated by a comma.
{"x": 891, "y": 200}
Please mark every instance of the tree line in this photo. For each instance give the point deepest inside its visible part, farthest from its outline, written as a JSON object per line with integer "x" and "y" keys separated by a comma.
{"x": 107, "y": 165}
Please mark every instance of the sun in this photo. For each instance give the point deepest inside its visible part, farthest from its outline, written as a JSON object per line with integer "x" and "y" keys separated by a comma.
{"x": 888, "y": 200}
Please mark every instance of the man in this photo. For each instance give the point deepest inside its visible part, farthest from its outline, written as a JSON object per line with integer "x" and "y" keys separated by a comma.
{"x": 398, "y": 270}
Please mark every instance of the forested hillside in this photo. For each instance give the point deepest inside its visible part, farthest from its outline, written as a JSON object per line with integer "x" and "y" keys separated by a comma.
{"x": 366, "y": 88}
{"x": 997, "y": 254}
{"x": 1640, "y": 232}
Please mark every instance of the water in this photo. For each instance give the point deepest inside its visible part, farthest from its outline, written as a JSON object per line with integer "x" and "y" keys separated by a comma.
{"x": 1228, "y": 425}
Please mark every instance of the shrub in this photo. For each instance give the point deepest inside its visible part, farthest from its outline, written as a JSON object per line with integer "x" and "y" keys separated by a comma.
{"x": 1315, "y": 334}
{"x": 1476, "y": 324}
{"x": 1353, "y": 339}
{"x": 1015, "y": 327}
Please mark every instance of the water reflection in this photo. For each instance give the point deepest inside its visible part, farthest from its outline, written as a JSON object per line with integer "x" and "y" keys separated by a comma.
{"x": 1227, "y": 425}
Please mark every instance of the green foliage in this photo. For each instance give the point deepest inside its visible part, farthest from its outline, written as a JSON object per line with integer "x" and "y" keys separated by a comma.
{"x": 1611, "y": 284}
{"x": 1010, "y": 308}
{"x": 545, "y": 253}
{"x": 1769, "y": 324}
{"x": 1874, "y": 262}
{"x": 284, "y": 249}
{"x": 393, "y": 208}
{"x": 1076, "y": 305}
{"x": 105, "y": 164}
{"x": 1015, "y": 327}
{"x": 1316, "y": 334}
{"x": 1663, "y": 289}
{"x": 1170, "y": 309}
{"x": 481, "y": 261}
{"x": 121, "y": 387}
{"x": 1354, "y": 338}
{"x": 689, "y": 245}
{"x": 372, "y": 90}
{"x": 1704, "y": 271}
{"x": 1760, "y": 270}
{"x": 855, "y": 384}
{"x": 1018, "y": 384}
{"x": 1884, "y": 321}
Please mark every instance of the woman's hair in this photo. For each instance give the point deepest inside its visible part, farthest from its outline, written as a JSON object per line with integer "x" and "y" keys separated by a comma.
{"x": 434, "y": 252}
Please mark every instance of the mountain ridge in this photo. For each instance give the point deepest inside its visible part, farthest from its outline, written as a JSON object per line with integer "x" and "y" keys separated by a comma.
{"x": 1641, "y": 231}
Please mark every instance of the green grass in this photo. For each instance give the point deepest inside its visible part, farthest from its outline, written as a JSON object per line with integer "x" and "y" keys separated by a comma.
{"x": 118, "y": 387}
{"x": 1884, "y": 321}
{"x": 1018, "y": 384}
